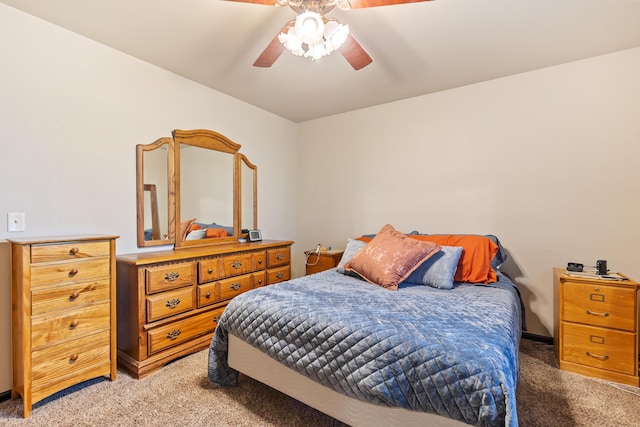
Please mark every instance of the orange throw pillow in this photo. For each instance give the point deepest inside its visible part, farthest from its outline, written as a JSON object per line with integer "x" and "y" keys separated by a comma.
{"x": 474, "y": 265}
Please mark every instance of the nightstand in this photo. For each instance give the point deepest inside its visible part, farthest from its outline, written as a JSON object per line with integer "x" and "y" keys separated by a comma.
{"x": 596, "y": 326}
{"x": 323, "y": 260}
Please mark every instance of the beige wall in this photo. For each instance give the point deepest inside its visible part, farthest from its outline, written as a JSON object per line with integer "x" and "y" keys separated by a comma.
{"x": 72, "y": 113}
{"x": 546, "y": 160}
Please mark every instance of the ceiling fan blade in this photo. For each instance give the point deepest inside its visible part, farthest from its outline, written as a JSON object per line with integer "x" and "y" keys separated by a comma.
{"x": 359, "y": 4}
{"x": 266, "y": 2}
{"x": 273, "y": 50}
{"x": 355, "y": 54}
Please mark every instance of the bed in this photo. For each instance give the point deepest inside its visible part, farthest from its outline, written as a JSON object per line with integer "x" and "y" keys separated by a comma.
{"x": 437, "y": 353}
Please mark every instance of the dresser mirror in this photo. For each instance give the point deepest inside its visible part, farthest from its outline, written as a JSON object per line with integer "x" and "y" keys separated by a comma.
{"x": 154, "y": 163}
{"x": 209, "y": 194}
{"x": 249, "y": 191}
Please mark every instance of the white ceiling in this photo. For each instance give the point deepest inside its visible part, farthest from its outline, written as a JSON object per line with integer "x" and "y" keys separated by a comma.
{"x": 417, "y": 48}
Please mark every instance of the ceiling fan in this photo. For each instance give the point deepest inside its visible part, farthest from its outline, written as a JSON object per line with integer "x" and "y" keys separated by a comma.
{"x": 314, "y": 35}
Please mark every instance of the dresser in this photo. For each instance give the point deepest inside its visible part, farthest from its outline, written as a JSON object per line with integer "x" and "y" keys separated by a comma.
{"x": 63, "y": 314}
{"x": 596, "y": 326}
{"x": 322, "y": 260}
{"x": 169, "y": 302}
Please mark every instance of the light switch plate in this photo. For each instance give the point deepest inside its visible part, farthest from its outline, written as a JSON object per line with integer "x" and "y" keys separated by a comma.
{"x": 16, "y": 221}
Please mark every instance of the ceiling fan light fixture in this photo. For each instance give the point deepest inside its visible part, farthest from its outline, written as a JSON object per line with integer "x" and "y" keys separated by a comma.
{"x": 311, "y": 37}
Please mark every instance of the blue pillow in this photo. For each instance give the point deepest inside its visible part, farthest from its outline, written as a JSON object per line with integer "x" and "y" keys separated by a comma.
{"x": 438, "y": 271}
{"x": 353, "y": 247}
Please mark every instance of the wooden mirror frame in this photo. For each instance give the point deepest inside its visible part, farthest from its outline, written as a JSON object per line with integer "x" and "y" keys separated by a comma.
{"x": 206, "y": 139}
{"x": 142, "y": 188}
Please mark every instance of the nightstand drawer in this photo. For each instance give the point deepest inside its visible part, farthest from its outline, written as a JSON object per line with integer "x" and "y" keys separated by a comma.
{"x": 606, "y": 306}
{"x": 600, "y": 348}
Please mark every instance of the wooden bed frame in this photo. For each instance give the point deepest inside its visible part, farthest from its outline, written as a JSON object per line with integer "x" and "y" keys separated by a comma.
{"x": 254, "y": 363}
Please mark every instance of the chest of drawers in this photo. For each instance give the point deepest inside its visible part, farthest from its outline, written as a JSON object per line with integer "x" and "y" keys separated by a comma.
{"x": 63, "y": 314}
{"x": 169, "y": 302}
{"x": 596, "y": 327}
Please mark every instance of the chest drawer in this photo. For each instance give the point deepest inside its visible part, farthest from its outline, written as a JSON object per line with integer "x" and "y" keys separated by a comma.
{"x": 69, "y": 250}
{"x": 179, "y": 332}
{"x": 164, "y": 277}
{"x": 606, "y": 306}
{"x": 231, "y": 265}
{"x": 277, "y": 275}
{"x": 69, "y": 296}
{"x": 54, "y": 363}
{"x": 278, "y": 256}
{"x": 62, "y": 326}
{"x": 600, "y": 348}
{"x": 70, "y": 271}
{"x": 169, "y": 303}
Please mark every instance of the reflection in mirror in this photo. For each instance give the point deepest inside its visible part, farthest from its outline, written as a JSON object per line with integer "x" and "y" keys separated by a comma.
{"x": 152, "y": 179}
{"x": 151, "y": 218}
{"x": 206, "y": 193}
{"x": 207, "y": 188}
{"x": 248, "y": 193}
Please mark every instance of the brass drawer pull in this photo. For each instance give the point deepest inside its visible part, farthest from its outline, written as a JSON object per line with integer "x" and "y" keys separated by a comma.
{"x": 173, "y": 334}
{"x": 596, "y": 356}
{"x": 216, "y": 319}
{"x": 73, "y": 272}
{"x": 260, "y": 261}
{"x": 280, "y": 257}
{"x": 595, "y": 313}
{"x": 210, "y": 270}
{"x": 74, "y": 324}
{"x": 236, "y": 286}
{"x": 259, "y": 281}
{"x": 171, "y": 276}
{"x": 172, "y": 303}
{"x": 74, "y": 251}
{"x": 73, "y": 357}
{"x": 74, "y": 296}
{"x": 236, "y": 264}
{"x": 279, "y": 275}
{"x": 207, "y": 295}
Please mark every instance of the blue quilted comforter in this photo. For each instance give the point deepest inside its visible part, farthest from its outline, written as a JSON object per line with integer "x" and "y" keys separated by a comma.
{"x": 451, "y": 352}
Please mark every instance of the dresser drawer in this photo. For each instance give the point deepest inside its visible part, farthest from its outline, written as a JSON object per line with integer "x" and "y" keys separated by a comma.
{"x": 52, "y": 364}
{"x": 231, "y": 265}
{"x": 69, "y": 296}
{"x": 69, "y": 250}
{"x": 185, "y": 330}
{"x": 169, "y": 303}
{"x": 61, "y": 326}
{"x": 222, "y": 290}
{"x": 600, "y": 348}
{"x": 278, "y": 256}
{"x": 277, "y": 275}
{"x": 166, "y": 277}
{"x": 607, "y": 306}
{"x": 71, "y": 271}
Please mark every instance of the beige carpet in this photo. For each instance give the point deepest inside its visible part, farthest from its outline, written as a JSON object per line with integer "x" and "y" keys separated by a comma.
{"x": 181, "y": 395}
